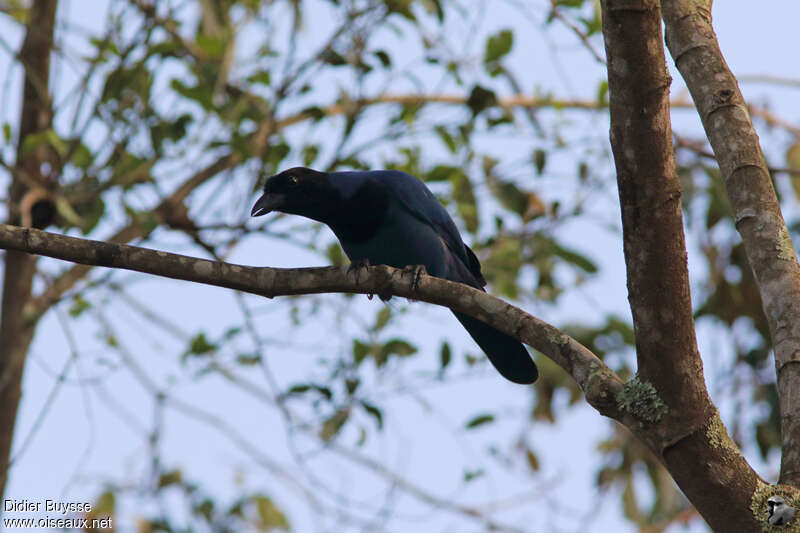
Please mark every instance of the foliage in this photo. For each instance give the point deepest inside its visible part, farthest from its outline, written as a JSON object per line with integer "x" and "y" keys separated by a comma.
{"x": 179, "y": 114}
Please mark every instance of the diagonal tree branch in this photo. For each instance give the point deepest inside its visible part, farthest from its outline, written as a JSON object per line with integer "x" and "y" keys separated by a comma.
{"x": 756, "y": 210}
{"x": 712, "y": 476}
{"x": 598, "y": 382}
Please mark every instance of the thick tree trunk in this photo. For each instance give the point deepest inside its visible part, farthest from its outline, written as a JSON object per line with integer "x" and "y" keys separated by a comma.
{"x": 681, "y": 424}
{"x": 16, "y": 332}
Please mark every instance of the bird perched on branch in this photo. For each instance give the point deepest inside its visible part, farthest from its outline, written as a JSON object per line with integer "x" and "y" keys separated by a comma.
{"x": 387, "y": 217}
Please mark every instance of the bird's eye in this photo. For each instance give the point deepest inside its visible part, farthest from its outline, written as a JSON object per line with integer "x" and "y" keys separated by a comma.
{"x": 293, "y": 180}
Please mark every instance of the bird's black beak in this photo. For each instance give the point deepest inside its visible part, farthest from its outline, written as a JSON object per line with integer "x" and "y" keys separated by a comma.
{"x": 267, "y": 203}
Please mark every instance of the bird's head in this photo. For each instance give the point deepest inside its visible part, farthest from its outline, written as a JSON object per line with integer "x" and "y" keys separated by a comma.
{"x": 779, "y": 512}
{"x": 298, "y": 191}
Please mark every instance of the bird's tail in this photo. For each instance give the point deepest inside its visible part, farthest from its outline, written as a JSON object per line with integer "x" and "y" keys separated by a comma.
{"x": 506, "y": 353}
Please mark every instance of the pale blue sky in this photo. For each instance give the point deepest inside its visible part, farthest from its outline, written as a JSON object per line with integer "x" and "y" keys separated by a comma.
{"x": 82, "y": 440}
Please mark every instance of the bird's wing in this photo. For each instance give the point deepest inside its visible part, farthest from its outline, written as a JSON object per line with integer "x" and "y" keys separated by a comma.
{"x": 420, "y": 202}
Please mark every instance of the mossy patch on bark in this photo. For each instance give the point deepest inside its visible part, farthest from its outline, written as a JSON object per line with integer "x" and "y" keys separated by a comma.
{"x": 718, "y": 436}
{"x": 641, "y": 399}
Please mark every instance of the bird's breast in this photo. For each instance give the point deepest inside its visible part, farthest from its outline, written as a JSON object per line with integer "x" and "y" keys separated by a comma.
{"x": 400, "y": 240}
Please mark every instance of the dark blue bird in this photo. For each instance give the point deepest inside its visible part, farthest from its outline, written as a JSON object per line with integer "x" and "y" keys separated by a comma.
{"x": 387, "y": 217}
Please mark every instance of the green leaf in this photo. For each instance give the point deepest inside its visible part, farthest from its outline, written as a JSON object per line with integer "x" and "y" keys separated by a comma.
{"x": 172, "y": 477}
{"x": 351, "y": 384}
{"x": 334, "y": 424}
{"x": 384, "y": 315}
{"x": 104, "y": 504}
{"x": 47, "y": 137}
{"x": 384, "y": 58}
{"x": 583, "y": 171}
{"x": 793, "y": 156}
{"x": 575, "y": 258}
{"x": 511, "y": 196}
{"x": 480, "y": 98}
{"x": 375, "y": 412}
{"x": 793, "y": 162}
{"x": 360, "y": 351}
{"x": 310, "y": 153}
{"x": 400, "y": 347}
{"x": 445, "y": 355}
{"x": 164, "y": 48}
{"x": 401, "y": 7}
{"x": 276, "y": 153}
{"x": 498, "y": 45}
{"x": 470, "y": 475}
{"x": 82, "y": 157}
{"x": 299, "y": 389}
{"x": 602, "y": 93}
{"x": 336, "y": 255}
{"x": 408, "y": 114}
{"x": 79, "y": 305}
{"x": 464, "y": 195}
{"x": 316, "y": 113}
{"x": 539, "y": 160}
{"x": 269, "y": 516}
{"x": 213, "y": 46}
{"x": 533, "y": 460}
{"x": 199, "y": 345}
{"x": 18, "y": 10}
{"x": 88, "y": 214}
{"x": 261, "y": 77}
{"x": 446, "y": 138}
{"x": 205, "y": 508}
{"x": 570, "y": 3}
{"x": 441, "y": 173}
{"x": 479, "y": 421}
{"x": 7, "y": 131}
{"x": 334, "y": 58}
{"x": 397, "y": 347}
{"x": 130, "y": 170}
{"x": 435, "y": 6}
{"x": 231, "y": 332}
{"x": 323, "y": 391}
{"x": 134, "y": 81}
{"x": 501, "y": 267}
{"x": 245, "y": 359}
{"x": 202, "y": 93}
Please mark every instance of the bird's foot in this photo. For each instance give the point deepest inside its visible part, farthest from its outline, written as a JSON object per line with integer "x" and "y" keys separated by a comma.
{"x": 356, "y": 268}
{"x": 416, "y": 272}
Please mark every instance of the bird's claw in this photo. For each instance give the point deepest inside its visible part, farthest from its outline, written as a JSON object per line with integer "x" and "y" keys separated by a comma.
{"x": 416, "y": 272}
{"x": 355, "y": 268}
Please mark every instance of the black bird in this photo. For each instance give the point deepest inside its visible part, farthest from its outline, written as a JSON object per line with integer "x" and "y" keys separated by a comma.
{"x": 387, "y": 217}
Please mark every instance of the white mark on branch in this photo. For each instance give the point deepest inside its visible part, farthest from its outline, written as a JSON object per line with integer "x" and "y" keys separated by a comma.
{"x": 203, "y": 268}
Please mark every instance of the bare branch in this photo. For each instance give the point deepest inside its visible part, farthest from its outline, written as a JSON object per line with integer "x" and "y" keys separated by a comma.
{"x": 598, "y": 382}
{"x": 556, "y": 13}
